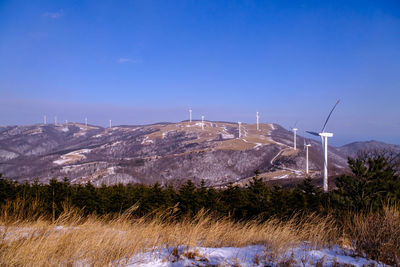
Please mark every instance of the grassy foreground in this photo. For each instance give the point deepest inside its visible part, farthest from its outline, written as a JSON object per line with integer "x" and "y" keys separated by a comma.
{"x": 76, "y": 240}
{"x": 99, "y": 241}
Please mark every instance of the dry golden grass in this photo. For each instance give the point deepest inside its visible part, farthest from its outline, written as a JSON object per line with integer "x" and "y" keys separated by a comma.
{"x": 290, "y": 152}
{"x": 99, "y": 241}
{"x": 235, "y": 144}
{"x": 377, "y": 234}
{"x": 266, "y": 176}
{"x": 213, "y": 129}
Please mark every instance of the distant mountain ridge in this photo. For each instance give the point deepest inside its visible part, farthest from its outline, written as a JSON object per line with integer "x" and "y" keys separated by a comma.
{"x": 163, "y": 152}
{"x": 353, "y": 148}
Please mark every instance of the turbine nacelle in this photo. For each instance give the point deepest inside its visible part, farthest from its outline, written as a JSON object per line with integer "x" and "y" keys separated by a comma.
{"x": 323, "y": 134}
{"x": 326, "y": 134}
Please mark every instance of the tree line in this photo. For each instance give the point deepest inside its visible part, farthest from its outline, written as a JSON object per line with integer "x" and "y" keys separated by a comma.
{"x": 373, "y": 183}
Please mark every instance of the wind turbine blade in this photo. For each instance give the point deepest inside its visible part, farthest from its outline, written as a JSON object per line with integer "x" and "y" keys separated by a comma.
{"x": 330, "y": 113}
{"x": 313, "y": 133}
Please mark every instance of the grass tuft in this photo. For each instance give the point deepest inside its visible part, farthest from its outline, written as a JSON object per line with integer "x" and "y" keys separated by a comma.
{"x": 377, "y": 235}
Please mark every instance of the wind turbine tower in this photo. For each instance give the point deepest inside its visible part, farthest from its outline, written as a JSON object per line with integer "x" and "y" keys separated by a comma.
{"x": 202, "y": 122}
{"x": 85, "y": 122}
{"x": 55, "y": 120}
{"x": 109, "y": 122}
{"x": 190, "y": 115}
{"x": 294, "y": 137}
{"x": 240, "y": 128}
{"x": 324, "y": 141}
{"x": 258, "y": 118}
{"x": 44, "y": 119}
{"x": 306, "y": 146}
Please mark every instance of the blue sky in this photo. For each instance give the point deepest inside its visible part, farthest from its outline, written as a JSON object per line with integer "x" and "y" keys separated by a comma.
{"x": 139, "y": 62}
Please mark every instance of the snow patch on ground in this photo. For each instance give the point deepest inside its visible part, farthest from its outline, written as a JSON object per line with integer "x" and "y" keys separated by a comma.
{"x": 147, "y": 140}
{"x": 116, "y": 143}
{"x": 111, "y": 170}
{"x": 5, "y": 154}
{"x": 227, "y": 136}
{"x": 80, "y": 133}
{"x": 281, "y": 177}
{"x": 256, "y": 255}
{"x": 34, "y": 131}
{"x": 297, "y": 172}
{"x": 257, "y": 145}
{"x": 164, "y": 134}
{"x": 14, "y": 233}
{"x": 72, "y": 157}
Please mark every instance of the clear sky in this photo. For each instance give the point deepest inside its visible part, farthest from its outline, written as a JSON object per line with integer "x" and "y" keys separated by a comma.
{"x": 139, "y": 62}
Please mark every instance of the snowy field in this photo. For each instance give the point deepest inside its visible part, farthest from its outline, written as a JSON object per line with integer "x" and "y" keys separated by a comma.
{"x": 248, "y": 256}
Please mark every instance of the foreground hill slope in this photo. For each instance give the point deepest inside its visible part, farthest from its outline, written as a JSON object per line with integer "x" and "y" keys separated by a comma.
{"x": 165, "y": 152}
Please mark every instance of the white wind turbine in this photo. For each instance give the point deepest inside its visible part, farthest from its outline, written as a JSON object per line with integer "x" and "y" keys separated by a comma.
{"x": 109, "y": 122}
{"x": 324, "y": 141}
{"x": 294, "y": 129}
{"x": 190, "y": 115}
{"x": 258, "y": 118}
{"x": 306, "y": 146}
{"x": 240, "y": 130}
{"x": 202, "y": 122}
{"x": 294, "y": 137}
{"x": 44, "y": 119}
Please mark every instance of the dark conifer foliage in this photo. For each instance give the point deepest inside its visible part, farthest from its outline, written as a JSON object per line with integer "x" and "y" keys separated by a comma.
{"x": 374, "y": 182}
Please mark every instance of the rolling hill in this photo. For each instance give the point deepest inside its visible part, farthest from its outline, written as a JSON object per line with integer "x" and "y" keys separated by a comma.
{"x": 168, "y": 153}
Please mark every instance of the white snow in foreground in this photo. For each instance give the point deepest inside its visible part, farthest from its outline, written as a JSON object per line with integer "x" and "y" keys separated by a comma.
{"x": 246, "y": 256}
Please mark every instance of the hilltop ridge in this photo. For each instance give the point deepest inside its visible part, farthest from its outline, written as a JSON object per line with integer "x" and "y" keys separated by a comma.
{"x": 162, "y": 152}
